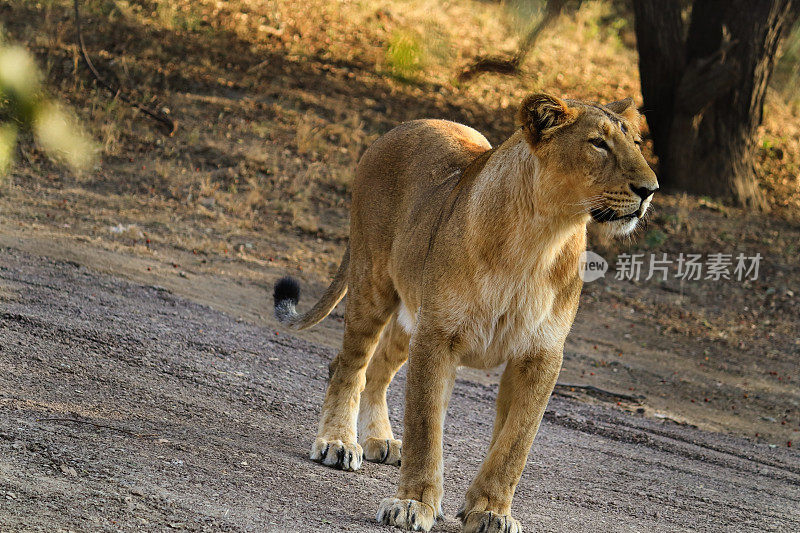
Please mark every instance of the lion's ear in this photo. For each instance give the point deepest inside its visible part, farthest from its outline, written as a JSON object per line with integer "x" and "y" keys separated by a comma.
{"x": 625, "y": 108}
{"x": 540, "y": 114}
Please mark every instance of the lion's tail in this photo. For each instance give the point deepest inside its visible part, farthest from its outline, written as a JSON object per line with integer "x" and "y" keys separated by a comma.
{"x": 287, "y": 294}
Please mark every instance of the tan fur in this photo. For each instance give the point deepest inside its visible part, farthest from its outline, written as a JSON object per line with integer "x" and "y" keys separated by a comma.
{"x": 471, "y": 256}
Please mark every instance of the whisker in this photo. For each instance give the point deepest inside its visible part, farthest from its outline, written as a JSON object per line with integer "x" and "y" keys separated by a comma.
{"x": 587, "y": 209}
{"x": 588, "y": 204}
{"x": 589, "y": 200}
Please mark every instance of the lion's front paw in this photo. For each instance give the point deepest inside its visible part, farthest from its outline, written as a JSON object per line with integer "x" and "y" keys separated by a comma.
{"x": 338, "y": 454}
{"x": 407, "y": 514}
{"x": 489, "y": 522}
{"x": 385, "y": 451}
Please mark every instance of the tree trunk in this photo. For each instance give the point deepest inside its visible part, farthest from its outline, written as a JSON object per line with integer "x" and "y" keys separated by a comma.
{"x": 704, "y": 94}
{"x": 659, "y": 39}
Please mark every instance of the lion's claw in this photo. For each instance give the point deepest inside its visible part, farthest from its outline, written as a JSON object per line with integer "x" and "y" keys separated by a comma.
{"x": 337, "y": 454}
{"x": 488, "y": 522}
{"x": 407, "y": 514}
{"x": 386, "y": 451}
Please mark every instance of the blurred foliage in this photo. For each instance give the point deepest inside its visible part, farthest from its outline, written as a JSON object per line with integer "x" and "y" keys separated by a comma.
{"x": 524, "y": 14}
{"x": 24, "y": 107}
{"x": 173, "y": 17}
{"x": 655, "y": 238}
{"x": 787, "y": 71}
{"x": 405, "y": 53}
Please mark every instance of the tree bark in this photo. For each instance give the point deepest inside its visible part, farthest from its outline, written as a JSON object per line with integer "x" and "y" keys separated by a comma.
{"x": 704, "y": 94}
{"x": 660, "y": 41}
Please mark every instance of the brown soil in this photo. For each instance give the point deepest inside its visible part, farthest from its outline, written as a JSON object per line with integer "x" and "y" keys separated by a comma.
{"x": 125, "y": 407}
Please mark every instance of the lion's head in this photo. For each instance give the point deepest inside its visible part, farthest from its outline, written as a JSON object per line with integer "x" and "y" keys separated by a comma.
{"x": 592, "y": 152}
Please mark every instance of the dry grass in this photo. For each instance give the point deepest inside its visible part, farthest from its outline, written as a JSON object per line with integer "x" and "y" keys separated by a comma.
{"x": 277, "y": 100}
{"x": 211, "y": 58}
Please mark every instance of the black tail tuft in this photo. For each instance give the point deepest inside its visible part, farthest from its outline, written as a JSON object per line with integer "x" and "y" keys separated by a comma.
{"x": 286, "y": 289}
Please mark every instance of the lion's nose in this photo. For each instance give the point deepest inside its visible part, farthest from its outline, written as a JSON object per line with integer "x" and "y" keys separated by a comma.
{"x": 644, "y": 192}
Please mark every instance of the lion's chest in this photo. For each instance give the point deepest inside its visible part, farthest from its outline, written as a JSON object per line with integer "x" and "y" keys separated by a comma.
{"x": 524, "y": 320}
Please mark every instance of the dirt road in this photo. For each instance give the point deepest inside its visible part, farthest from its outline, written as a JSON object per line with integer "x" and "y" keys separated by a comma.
{"x": 124, "y": 407}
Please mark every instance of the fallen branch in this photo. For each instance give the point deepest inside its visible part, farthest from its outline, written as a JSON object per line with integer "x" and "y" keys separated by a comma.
{"x": 95, "y": 424}
{"x": 512, "y": 64}
{"x": 484, "y": 64}
{"x": 159, "y": 116}
{"x": 598, "y": 390}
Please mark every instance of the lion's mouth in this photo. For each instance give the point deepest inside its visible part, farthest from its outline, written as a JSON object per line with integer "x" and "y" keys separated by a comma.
{"x": 604, "y": 214}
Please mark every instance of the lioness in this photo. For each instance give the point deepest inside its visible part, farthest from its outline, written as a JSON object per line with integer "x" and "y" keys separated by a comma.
{"x": 464, "y": 254}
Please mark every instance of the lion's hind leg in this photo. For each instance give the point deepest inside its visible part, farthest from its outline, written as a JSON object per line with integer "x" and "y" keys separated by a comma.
{"x": 374, "y": 429}
{"x": 368, "y": 309}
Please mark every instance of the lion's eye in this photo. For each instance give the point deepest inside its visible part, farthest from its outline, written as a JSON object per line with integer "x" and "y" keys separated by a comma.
{"x": 637, "y": 142}
{"x": 599, "y": 142}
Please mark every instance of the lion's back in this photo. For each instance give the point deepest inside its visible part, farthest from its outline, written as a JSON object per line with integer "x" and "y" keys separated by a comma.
{"x": 410, "y": 156}
{"x": 419, "y": 145}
